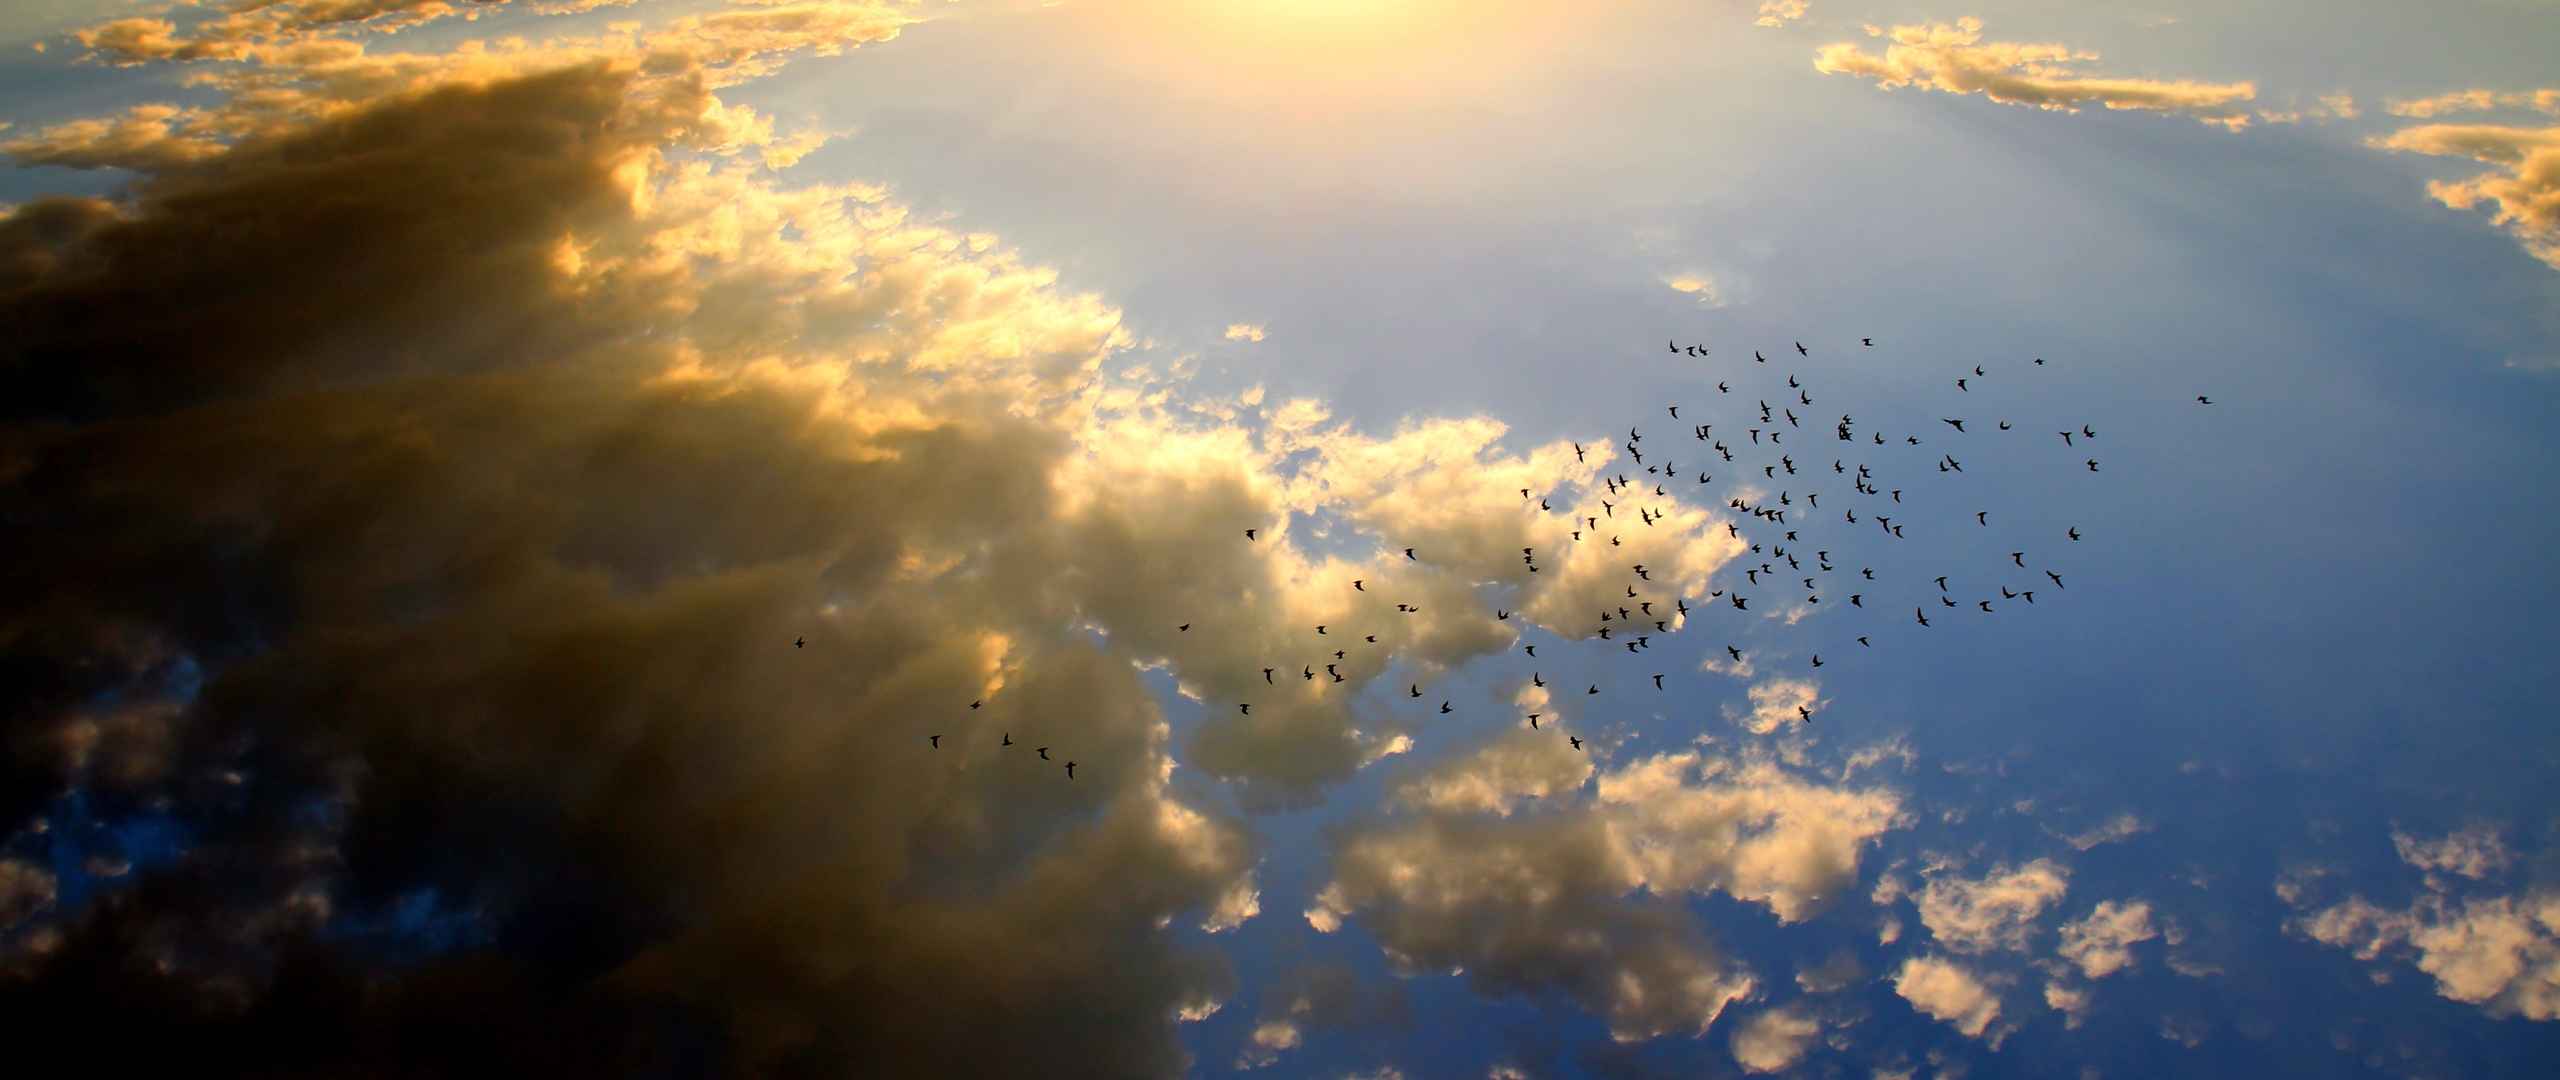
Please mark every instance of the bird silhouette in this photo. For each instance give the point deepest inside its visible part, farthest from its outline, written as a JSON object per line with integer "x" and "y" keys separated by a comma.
{"x": 2093, "y": 464}
{"x": 936, "y": 740}
{"x": 2073, "y": 532}
{"x": 1800, "y": 349}
{"x": 1008, "y": 739}
{"x": 1657, "y": 682}
{"x": 2057, "y": 578}
{"x": 1958, "y": 424}
{"x": 1533, "y": 720}
{"x": 1576, "y": 740}
{"x": 1248, "y": 534}
{"x": 1817, "y": 659}
{"x": 1071, "y": 770}
{"x": 1043, "y": 751}
{"x": 1444, "y": 708}
{"x": 975, "y": 704}
{"x": 1244, "y": 708}
{"x": 1408, "y": 554}
{"x": 1185, "y": 628}
{"x": 799, "y": 643}
{"x": 2203, "y": 400}
{"x": 1920, "y": 614}
{"x": 1867, "y": 341}
{"x": 1266, "y": 675}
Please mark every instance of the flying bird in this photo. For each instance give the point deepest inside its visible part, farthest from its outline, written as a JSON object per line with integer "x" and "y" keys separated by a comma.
{"x": 1248, "y": 534}
{"x": 1444, "y": 708}
{"x": 799, "y": 643}
{"x": 1266, "y": 676}
{"x": 1408, "y": 554}
{"x": 1044, "y": 752}
{"x": 2073, "y": 532}
{"x": 2057, "y": 578}
{"x": 1576, "y": 740}
{"x": 975, "y": 704}
{"x": 1959, "y": 424}
{"x": 2203, "y": 400}
{"x": 1185, "y": 628}
{"x": 1008, "y": 739}
{"x": 1920, "y": 614}
{"x": 1244, "y": 708}
{"x": 1657, "y": 681}
{"x": 2093, "y": 464}
{"x": 1867, "y": 341}
{"x": 1800, "y": 349}
{"x": 936, "y": 740}
{"x": 1071, "y": 770}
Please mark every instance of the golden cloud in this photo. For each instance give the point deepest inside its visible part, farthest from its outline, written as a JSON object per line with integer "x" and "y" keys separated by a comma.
{"x": 1953, "y": 59}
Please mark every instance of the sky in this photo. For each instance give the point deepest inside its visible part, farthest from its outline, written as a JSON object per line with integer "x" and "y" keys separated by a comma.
{"x": 581, "y": 536}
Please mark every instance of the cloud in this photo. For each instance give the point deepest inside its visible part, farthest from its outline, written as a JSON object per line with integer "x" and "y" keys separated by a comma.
{"x": 1774, "y": 703}
{"x": 2526, "y": 202}
{"x": 26, "y": 890}
{"x": 2071, "y": 1001}
{"x": 2101, "y": 943}
{"x": 2474, "y": 851}
{"x": 2123, "y": 826}
{"x": 1697, "y": 285}
{"x": 1777, "y": 13}
{"x": 1517, "y": 764}
{"x": 1993, "y": 912}
{"x": 1953, "y": 58}
{"x": 1243, "y": 332}
{"x": 1317, "y": 998}
{"x": 2456, "y": 101}
{"x": 599, "y": 378}
{"x": 1775, "y": 1040}
{"x": 1836, "y": 972}
{"x": 2501, "y": 953}
{"x": 1550, "y": 900}
{"x": 1947, "y": 992}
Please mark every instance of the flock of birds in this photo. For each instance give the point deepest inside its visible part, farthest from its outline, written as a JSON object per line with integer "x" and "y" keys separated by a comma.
{"x": 1784, "y": 518}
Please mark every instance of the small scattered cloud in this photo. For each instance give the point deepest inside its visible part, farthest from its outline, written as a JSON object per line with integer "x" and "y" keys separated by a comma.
{"x": 2102, "y": 943}
{"x": 1996, "y": 911}
{"x": 1778, "y": 13}
{"x": 1775, "y": 1040}
{"x": 1948, "y": 992}
{"x": 1698, "y": 285}
{"x": 1952, "y": 58}
{"x": 1244, "y": 332}
{"x": 2474, "y": 851}
{"x": 1774, "y": 704}
{"x": 2123, "y": 826}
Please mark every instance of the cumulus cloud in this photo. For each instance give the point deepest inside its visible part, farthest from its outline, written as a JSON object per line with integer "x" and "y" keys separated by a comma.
{"x": 1993, "y": 912}
{"x": 1244, "y": 332}
{"x": 1946, "y": 991}
{"x": 2102, "y": 942}
{"x": 1775, "y": 1040}
{"x": 1549, "y": 901}
{"x": 1777, "y": 13}
{"x": 596, "y": 377}
{"x": 2525, "y": 201}
{"x": 1836, "y": 972}
{"x": 1516, "y": 765}
{"x": 1953, "y": 58}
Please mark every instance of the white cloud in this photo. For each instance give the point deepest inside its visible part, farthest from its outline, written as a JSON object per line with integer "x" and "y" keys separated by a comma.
{"x": 2123, "y": 826}
{"x": 1244, "y": 332}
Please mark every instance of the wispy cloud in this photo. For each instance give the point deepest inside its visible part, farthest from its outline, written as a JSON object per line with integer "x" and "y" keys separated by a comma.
{"x": 1952, "y": 58}
{"x": 1244, "y": 332}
